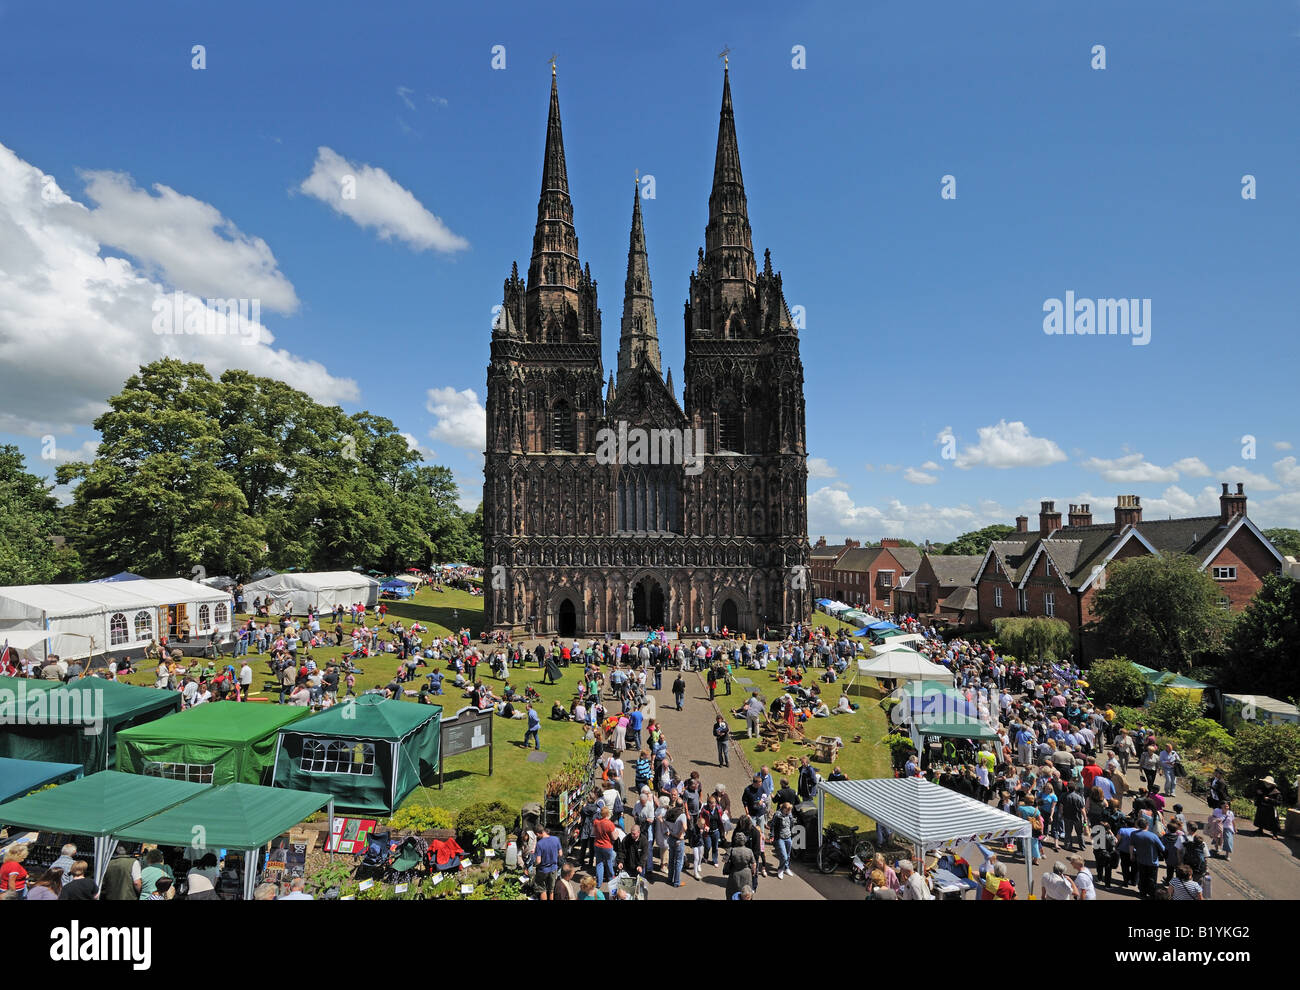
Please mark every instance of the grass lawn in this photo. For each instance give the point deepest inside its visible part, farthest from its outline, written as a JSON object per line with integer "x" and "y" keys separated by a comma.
{"x": 868, "y": 758}
{"x": 514, "y": 781}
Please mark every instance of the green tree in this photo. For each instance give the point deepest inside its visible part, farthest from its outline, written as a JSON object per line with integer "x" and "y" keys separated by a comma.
{"x": 1265, "y": 641}
{"x": 1174, "y": 710}
{"x": 29, "y": 521}
{"x": 1286, "y": 540}
{"x": 977, "y": 541}
{"x": 1161, "y": 611}
{"x": 1117, "y": 682}
{"x": 1261, "y": 750}
{"x": 1033, "y": 639}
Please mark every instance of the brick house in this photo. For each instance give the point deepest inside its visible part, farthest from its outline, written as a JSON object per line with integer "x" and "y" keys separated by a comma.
{"x": 871, "y": 575}
{"x": 942, "y": 589}
{"x": 1058, "y": 570}
{"x": 821, "y": 562}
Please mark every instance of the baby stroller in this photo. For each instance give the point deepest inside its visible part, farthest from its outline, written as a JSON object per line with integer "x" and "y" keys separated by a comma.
{"x": 374, "y": 864}
{"x": 408, "y": 860}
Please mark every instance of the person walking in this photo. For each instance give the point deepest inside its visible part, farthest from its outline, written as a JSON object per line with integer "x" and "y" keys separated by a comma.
{"x": 1169, "y": 763}
{"x": 679, "y": 691}
{"x": 722, "y": 736}
{"x": 1150, "y": 765}
{"x": 1266, "y": 797}
{"x": 534, "y": 728}
{"x": 783, "y": 838}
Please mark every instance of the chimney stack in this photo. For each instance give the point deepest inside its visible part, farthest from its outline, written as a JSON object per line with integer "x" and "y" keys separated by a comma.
{"x": 1231, "y": 506}
{"x": 1128, "y": 511}
{"x": 1049, "y": 520}
{"x": 1081, "y": 515}
{"x": 887, "y": 544}
{"x": 851, "y": 544}
{"x": 1022, "y": 524}
{"x": 821, "y": 542}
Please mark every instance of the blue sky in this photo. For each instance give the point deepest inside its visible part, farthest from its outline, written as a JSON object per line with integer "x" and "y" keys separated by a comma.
{"x": 125, "y": 174}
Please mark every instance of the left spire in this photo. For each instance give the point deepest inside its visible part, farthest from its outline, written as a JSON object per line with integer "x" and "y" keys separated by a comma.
{"x": 554, "y": 260}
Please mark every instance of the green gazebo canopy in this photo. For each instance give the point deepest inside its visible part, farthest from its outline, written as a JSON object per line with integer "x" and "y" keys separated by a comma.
{"x": 219, "y": 743}
{"x": 369, "y": 753}
{"x": 47, "y": 720}
{"x": 232, "y": 816}
{"x": 97, "y": 805}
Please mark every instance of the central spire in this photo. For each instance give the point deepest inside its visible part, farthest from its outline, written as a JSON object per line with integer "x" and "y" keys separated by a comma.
{"x": 639, "y": 342}
{"x": 554, "y": 261}
{"x": 728, "y": 247}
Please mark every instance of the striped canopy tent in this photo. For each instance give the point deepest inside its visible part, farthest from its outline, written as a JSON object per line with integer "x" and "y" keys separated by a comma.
{"x": 927, "y": 815}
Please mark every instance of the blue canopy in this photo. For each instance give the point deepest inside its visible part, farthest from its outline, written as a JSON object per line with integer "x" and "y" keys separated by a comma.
{"x": 878, "y": 626}
{"x": 18, "y": 777}
{"x": 119, "y": 576}
{"x": 823, "y": 601}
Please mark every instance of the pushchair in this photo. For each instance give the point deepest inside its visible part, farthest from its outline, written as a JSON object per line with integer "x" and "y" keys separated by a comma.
{"x": 408, "y": 860}
{"x": 374, "y": 864}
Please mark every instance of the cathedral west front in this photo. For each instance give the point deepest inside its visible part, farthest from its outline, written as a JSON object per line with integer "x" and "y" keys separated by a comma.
{"x": 619, "y": 505}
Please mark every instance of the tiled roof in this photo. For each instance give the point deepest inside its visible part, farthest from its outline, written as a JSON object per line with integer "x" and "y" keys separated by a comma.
{"x": 963, "y": 599}
{"x": 953, "y": 569}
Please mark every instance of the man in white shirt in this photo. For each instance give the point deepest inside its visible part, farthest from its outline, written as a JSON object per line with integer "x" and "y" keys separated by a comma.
{"x": 1056, "y": 886}
{"x": 914, "y": 887}
{"x": 297, "y": 891}
{"x": 245, "y": 681}
{"x": 1083, "y": 879}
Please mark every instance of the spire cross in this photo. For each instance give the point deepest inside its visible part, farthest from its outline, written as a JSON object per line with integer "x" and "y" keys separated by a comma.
{"x": 723, "y": 55}
{"x": 552, "y": 61}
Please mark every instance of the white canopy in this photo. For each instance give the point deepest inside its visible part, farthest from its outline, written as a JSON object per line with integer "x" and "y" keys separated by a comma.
{"x": 905, "y": 639}
{"x": 905, "y": 665}
{"x": 408, "y": 578}
{"x": 115, "y": 616}
{"x": 891, "y": 646}
{"x": 926, "y": 814}
{"x": 321, "y": 590}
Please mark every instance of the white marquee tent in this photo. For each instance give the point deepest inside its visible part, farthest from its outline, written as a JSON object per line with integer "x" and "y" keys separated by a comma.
{"x": 927, "y": 815}
{"x": 321, "y": 590}
{"x": 905, "y": 665}
{"x": 76, "y": 620}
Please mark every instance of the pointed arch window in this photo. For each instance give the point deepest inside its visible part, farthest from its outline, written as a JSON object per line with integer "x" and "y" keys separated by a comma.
{"x": 731, "y": 426}
{"x": 563, "y": 432}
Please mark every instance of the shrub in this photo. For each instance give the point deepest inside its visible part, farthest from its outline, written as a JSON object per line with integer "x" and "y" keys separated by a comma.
{"x": 1265, "y": 750}
{"x": 1117, "y": 682}
{"x": 1128, "y": 718}
{"x": 422, "y": 818}
{"x": 1174, "y": 710}
{"x": 899, "y": 747}
{"x": 486, "y": 815}
{"x": 1206, "y": 738}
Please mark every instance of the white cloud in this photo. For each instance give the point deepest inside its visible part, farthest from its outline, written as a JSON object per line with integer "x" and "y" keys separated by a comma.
{"x": 1282, "y": 444}
{"x": 380, "y": 203}
{"x": 1287, "y": 471}
{"x": 1253, "y": 480}
{"x": 179, "y": 240}
{"x": 1009, "y": 445}
{"x": 1130, "y": 469}
{"x": 405, "y": 93}
{"x": 1193, "y": 467}
{"x": 819, "y": 467}
{"x": 833, "y": 512}
{"x": 918, "y": 477}
{"x": 931, "y": 466}
{"x": 462, "y": 419}
{"x": 889, "y": 468}
{"x": 76, "y": 321}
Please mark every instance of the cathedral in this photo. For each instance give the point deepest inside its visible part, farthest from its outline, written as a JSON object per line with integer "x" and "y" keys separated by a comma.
{"x": 576, "y": 543}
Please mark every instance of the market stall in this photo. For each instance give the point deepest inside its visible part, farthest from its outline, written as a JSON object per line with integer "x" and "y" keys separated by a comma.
{"x": 927, "y": 815}
{"x": 320, "y": 590}
{"x": 19, "y": 777}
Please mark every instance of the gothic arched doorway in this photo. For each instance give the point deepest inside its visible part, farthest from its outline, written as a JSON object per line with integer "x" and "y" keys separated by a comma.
{"x": 647, "y": 604}
{"x": 730, "y": 615}
{"x": 568, "y": 618}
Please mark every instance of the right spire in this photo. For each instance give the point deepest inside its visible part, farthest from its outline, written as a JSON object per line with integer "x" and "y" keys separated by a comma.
{"x": 728, "y": 246}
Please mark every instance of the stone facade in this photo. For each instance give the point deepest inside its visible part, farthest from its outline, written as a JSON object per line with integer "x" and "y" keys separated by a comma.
{"x": 588, "y": 527}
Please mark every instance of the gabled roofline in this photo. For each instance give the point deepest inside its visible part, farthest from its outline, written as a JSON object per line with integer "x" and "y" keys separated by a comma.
{"x": 1232, "y": 531}
{"x": 1129, "y": 534}
{"x": 1042, "y": 548}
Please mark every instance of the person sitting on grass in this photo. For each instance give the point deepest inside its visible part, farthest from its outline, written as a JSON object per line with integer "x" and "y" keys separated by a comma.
{"x": 558, "y": 712}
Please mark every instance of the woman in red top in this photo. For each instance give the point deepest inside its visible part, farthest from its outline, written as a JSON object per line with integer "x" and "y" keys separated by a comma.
{"x": 602, "y": 830}
{"x": 13, "y": 875}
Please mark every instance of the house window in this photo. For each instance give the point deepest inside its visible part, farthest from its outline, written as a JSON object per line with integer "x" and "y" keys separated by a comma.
{"x": 195, "y": 773}
{"x": 205, "y": 617}
{"x": 1225, "y": 573}
{"x": 997, "y": 597}
{"x": 338, "y": 756}
{"x": 143, "y": 625}
{"x": 117, "y": 633}
{"x": 223, "y": 613}
{"x": 1049, "y": 603}
{"x": 1022, "y": 600}
{"x": 886, "y": 579}
{"x": 1224, "y": 603}
{"x": 1047, "y": 564}
{"x": 884, "y": 598}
